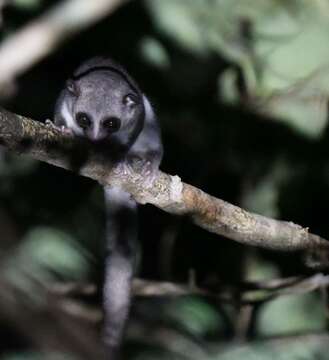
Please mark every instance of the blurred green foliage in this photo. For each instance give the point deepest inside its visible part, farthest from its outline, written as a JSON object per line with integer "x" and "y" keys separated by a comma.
{"x": 46, "y": 253}
{"x": 37, "y": 356}
{"x": 27, "y": 4}
{"x": 292, "y": 314}
{"x": 194, "y": 315}
{"x": 292, "y": 350}
{"x": 274, "y": 43}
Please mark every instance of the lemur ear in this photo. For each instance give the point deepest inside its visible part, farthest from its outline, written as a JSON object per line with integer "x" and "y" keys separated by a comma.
{"x": 72, "y": 87}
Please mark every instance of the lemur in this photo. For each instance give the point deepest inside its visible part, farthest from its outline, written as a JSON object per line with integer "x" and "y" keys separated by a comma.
{"x": 103, "y": 103}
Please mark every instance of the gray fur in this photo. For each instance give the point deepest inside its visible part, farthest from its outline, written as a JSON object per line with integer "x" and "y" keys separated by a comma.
{"x": 100, "y": 85}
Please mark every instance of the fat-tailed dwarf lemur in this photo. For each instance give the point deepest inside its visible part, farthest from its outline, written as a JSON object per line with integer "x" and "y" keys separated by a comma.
{"x": 104, "y": 104}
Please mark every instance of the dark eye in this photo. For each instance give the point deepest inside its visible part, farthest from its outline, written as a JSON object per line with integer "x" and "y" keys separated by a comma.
{"x": 83, "y": 120}
{"x": 131, "y": 100}
{"x": 112, "y": 124}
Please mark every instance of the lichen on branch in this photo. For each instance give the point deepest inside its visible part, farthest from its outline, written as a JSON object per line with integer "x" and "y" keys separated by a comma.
{"x": 169, "y": 193}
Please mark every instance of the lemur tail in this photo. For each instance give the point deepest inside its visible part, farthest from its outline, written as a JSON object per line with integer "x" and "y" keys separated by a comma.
{"x": 121, "y": 233}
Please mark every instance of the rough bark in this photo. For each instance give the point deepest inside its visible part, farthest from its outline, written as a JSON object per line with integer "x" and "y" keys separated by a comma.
{"x": 167, "y": 192}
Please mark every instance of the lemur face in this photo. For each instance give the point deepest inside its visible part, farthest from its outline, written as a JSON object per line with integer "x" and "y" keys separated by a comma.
{"x": 103, "y": 106}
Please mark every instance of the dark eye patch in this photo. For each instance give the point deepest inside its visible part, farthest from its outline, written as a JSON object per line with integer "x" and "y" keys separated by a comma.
{"x": 112, "y": 124}
{"x": 83, "y": 120}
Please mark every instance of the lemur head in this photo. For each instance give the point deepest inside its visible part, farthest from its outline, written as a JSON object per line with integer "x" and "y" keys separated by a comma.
{"x": 105, "y": 105}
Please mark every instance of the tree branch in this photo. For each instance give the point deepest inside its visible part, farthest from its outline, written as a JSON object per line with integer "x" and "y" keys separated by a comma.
{"x": 167, "y": 192}
{"x": 249, "y": 293}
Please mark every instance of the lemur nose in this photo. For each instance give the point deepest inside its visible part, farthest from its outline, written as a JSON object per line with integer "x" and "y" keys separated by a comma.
{"x": 112, "y": 124}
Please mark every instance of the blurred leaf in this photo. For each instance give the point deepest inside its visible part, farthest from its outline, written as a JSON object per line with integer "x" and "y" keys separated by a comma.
{"x": 56, "y": 251}
{"x": 38, "y": 356}
{"x": 221, "y": 26}
{"x": 291, "y": 314}
{"x": 258, "y": 269}
{"x": 262, "y": 196}
{"x": 13, "y": 165}
{"x": 304, "y": 105}
{"x": 262, "y": 199}
{"x": 274, "y": 43}
{"x": 27, "y": 4}
{"x": 179, "y": 19}
{"x": 296, "y": 58}
{"x": 195, "y": 315}
{"x": 228, "y": 90}
{"x": 153, "y": 51}
{"x": 44, "y": 253}
{"x": 282, "y": 349}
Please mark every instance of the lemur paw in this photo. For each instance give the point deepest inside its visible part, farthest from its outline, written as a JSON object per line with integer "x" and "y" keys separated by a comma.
{"x": 149, "y": 173}
{"x": 146, "y": 169}
{"x": 63, "y": 129}
{"x": 49, "y": 123}
{"x": 122, "y": 169}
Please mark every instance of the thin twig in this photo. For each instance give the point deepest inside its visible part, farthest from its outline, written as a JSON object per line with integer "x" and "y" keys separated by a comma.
{"x": 40, "y": 37}
{"x": 250, "y": 292}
